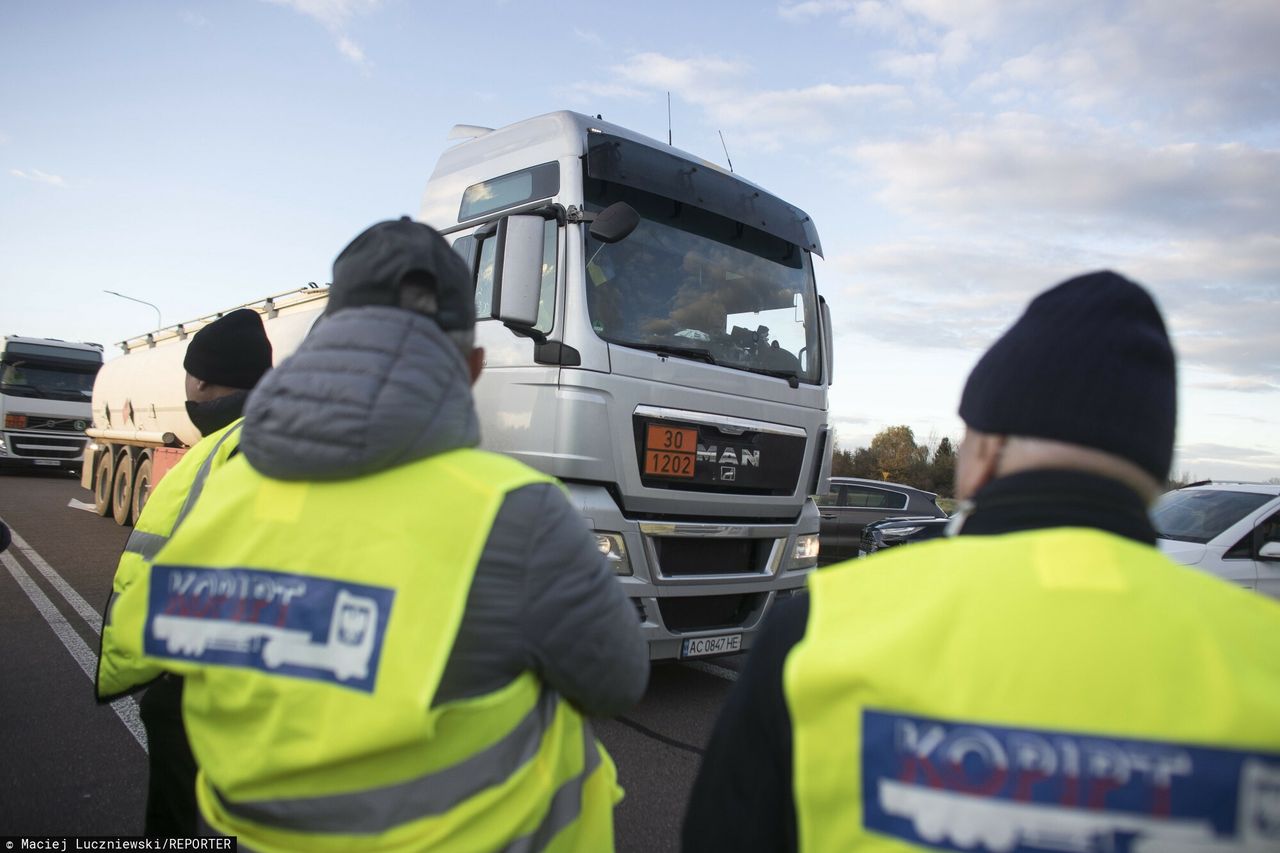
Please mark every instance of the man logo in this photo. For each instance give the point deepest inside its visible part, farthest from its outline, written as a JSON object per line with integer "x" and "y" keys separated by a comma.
{"x": 728, "y": 473}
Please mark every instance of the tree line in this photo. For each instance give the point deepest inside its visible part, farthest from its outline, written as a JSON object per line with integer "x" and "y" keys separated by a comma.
{"x": 895, "y": 456}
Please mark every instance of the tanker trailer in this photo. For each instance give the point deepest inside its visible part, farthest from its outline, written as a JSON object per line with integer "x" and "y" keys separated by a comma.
{"x": 140, "y": 424}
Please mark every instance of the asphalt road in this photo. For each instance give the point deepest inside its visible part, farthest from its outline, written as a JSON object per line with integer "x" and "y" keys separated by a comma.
{"x": 73, "y": 767}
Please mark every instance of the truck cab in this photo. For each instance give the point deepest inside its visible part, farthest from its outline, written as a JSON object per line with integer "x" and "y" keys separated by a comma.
{"x": 46, "y": 386}
{"x": 654, "y": 338}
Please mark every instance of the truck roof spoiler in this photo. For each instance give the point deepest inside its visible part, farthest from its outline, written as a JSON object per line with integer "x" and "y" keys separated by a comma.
{"x": 468, "y": 131}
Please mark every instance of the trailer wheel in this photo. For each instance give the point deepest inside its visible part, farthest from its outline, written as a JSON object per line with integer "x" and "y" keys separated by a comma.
{"x": 104, "y": 473}
{"x": 141, "y": 487}
{"x": 122, "y": 491}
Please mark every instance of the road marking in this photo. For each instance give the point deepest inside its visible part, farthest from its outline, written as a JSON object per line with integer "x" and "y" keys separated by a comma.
{"x": 125, "y": 707}
{"x": 87, "y": 613}
{"x": 711, "y": 669}
{"x": 75, "y": 504}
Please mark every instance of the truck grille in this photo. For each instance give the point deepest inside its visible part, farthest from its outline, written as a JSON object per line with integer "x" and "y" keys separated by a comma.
{"x": 708, "y": 612}
{"x": 686, "y": 555}
{"x": 35, "y": 446}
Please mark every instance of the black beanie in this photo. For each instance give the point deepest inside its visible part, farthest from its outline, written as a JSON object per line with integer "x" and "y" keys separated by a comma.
{"x": 233, "y": 350}
{"x": 1088, "y": 363}
{"x": 369, "y": 271}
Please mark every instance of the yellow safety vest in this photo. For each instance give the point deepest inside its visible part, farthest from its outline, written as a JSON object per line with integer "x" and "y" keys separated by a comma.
{"x": 313, "y": 622}
{"x": 119, "y": 668}
{"x": 1061, "y": 689}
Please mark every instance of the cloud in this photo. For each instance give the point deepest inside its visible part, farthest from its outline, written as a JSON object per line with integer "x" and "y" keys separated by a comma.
{"x": 195, "y": 19}
{"x": 1247, "y": 386}
{"x": 759, "y": 117}
{"x": 1017, "y": 166}
{"x": 351, "y": 50}
{"x": 588, "y": 36}
{"x": 40, "y": 177}
{"x": 335, "y": 15}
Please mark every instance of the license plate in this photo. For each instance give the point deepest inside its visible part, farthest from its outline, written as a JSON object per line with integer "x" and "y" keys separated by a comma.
{"x": 723, "y": 644}
{"x": 45, "y": 461}
{"x": 670, "y": 451}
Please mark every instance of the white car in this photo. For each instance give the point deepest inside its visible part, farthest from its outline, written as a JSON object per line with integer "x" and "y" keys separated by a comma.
{"x": 1231, "y": 530}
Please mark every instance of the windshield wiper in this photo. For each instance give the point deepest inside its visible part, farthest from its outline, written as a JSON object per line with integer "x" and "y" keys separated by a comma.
{"x": 1174, "y": 538}
{"x": 694, "y": 353}
{"x": 793, "y": 378}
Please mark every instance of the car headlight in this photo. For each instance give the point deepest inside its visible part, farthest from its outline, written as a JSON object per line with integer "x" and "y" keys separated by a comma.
{"x": 614, "y": 551}
{"x": 805, "y": 554}
{"x": 895, "y": 533}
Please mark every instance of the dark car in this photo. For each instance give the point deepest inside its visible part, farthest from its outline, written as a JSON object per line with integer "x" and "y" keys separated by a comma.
{"x": 854, "y": 503}
{"x": 879, "y": 535}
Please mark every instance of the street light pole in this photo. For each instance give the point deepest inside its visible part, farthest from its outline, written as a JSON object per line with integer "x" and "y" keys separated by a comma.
{"x": 159, "y": 322}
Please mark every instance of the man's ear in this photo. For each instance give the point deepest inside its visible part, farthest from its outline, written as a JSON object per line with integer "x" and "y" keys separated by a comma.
{"x": 475, "y": 361}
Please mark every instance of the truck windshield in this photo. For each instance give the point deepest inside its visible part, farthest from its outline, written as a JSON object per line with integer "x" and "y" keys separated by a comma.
{"x": 693, "y": 284}
{"x": 29, "y": 378}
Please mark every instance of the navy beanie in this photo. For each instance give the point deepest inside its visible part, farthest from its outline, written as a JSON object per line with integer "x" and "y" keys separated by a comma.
{"x": 1089, "y": 362}
{"x": 233, "y": 350}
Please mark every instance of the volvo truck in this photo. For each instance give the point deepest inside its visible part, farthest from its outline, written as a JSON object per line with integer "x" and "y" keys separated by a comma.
{"x": 654, "y": 338}
{"x": 45, "y": 389}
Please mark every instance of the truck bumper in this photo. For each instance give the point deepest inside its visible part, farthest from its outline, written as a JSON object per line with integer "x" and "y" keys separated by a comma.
{"x": 699, "y": 579}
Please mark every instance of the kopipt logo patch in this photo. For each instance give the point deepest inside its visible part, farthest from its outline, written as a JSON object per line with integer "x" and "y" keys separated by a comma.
{"x": 296, "y": 625}
{"x": 953, "y": 785}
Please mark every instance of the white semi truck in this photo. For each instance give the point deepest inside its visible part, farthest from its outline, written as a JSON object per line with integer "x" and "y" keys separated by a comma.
{"x": 45, "y": 387}
{"x": 654, "y": 338}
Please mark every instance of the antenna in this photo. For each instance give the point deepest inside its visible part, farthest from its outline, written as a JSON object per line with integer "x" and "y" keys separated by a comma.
{"x": 668, "y": 118}
{"x": 726, "y": 149}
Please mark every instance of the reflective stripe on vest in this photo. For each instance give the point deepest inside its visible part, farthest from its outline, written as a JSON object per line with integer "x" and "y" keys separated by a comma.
{"x": 147, "y": 545}
{"x": 565, "y": 808}
{"x": 1059, "y": 688}
{"x": 566, "y": 805}
{"x": 381, "y": 809}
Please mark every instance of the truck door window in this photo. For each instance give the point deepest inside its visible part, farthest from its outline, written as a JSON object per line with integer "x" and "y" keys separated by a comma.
{"x": 484, "y": 262}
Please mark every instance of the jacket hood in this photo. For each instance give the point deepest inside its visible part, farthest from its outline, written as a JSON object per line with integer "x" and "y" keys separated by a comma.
{"x": 370, "y": 388}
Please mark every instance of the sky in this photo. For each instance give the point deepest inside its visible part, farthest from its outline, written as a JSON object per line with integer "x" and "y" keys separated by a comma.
{"x": 958, "y": 157}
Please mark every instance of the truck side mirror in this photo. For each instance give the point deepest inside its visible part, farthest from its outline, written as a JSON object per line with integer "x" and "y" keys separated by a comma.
{"x": 615, "y": 222}
{"x": 517, "y": 278}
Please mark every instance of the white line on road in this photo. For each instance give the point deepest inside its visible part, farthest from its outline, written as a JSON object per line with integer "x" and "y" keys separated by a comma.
{"x": 125, "y": 707}
{"x": 75, "y": 504}
{"x": 711, "y": 669}
{"x": 87, "y": 613}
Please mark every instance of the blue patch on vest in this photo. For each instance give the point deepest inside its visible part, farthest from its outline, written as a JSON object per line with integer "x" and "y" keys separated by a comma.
{"x": 952, "y": 785}
{"x": 283, "y": 624}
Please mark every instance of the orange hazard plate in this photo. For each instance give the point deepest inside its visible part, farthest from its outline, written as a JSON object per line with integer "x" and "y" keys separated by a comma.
{"x": 670, "y": 451}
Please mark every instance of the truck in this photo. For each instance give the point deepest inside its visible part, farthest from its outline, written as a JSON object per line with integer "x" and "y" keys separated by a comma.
{"x": 45, "y": 389}
{"x": 654, "y": 338}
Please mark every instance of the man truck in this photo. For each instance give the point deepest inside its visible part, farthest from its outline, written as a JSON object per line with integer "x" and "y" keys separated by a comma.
{"x": 654, "y": 338}
{"x": 45, "y": 388}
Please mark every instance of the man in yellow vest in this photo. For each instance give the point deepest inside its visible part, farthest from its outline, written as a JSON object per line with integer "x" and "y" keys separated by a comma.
{"x": 224, "y": 361}
{"x": 390, "y": 639}
{"x": 1045, "y": 680}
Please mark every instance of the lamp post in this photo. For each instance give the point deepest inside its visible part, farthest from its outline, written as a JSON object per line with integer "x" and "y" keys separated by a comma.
{"x": 159, "y": 322}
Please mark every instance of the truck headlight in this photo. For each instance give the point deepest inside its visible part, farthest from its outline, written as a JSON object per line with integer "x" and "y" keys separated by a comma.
{"x": 614, "y": 551}
{"x": 805, "y": 554}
